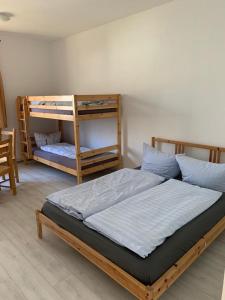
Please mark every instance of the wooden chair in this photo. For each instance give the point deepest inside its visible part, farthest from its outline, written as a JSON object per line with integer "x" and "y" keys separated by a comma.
{"x": 7, "y": 168}
{"x": 12, "y": 134}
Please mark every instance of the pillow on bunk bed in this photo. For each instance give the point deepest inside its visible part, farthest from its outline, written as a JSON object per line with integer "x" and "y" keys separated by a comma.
{"x": 159, "y": 163}
{"x": 43, "y": 139}
{"x": 53, "y": 138}
{"x": 40, "y": 139}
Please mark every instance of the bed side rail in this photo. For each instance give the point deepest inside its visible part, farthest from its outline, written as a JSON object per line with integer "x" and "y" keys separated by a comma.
{"x": 64, "y": 108}
{"x": 98, "y": 151}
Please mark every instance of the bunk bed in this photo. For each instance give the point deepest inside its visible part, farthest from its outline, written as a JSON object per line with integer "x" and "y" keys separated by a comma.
{"x": 75, "y": 109}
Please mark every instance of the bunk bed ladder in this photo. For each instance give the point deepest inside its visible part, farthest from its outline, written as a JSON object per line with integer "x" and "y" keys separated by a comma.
{"x": 23, "y": 124}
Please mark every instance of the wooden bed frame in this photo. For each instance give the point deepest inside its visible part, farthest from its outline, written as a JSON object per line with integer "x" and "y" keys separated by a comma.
{"x": 135, "y": 287}
{"x": 75, "y": 106}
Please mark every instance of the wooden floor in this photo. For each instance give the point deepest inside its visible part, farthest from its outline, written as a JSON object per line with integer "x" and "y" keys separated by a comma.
{"x": 31, "y": 269}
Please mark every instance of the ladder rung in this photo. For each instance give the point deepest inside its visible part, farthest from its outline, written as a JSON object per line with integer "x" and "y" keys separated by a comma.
{"x": 21, "y": 117}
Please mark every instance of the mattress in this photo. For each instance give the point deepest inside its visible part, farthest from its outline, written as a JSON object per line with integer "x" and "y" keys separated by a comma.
{"x": 146, "y": 270}
{"x": 87, "y": 104}
{"x": 68, "y": 162}
{"x": 70, "y": 112}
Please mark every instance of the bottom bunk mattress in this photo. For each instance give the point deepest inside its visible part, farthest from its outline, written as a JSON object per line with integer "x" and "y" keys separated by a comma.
{"x": 68, "y": 162}
{"x": 146, "y": 270}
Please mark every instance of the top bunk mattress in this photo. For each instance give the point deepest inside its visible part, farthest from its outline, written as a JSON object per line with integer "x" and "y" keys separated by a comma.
{"x": 84, "y": 107}
{"x": 52, "y": 111}
{"x": 70, "y": 112}
{"x": 146, "y": 270}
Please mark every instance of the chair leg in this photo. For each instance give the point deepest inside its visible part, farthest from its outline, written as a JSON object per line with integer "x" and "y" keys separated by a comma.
{"x": 12, "y": 182}
{"x": 16, "y": 171}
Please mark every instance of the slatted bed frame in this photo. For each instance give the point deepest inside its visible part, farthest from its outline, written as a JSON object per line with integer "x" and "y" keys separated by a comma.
{"x": 73, "y": 110}
{"x": 135, "y": 287}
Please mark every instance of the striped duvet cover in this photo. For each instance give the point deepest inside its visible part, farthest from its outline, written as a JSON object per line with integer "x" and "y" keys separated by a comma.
{"x": 96, "y": 195}
{"x": 143, "y": 222}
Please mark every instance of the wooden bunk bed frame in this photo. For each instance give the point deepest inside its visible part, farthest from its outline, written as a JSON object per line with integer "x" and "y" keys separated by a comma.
{"x": 135, "y": 287}
{"x": 92, "y": 160}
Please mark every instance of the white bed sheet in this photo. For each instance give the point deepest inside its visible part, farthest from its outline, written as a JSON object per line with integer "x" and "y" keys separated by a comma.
{"x": 63, "y": 149}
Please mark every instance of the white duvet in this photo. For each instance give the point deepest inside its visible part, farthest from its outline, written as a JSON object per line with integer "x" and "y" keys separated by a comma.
{"x": 143, "y": 222}
{"x": 91, "y": 197}
{"x": 63, "y": 149}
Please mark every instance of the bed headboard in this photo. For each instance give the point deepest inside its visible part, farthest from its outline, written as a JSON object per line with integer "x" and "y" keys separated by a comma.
{"x": 180, "y": 146}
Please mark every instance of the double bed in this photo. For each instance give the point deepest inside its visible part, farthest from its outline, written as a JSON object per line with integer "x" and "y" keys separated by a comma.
{"x": 145, "y": 278}
{"x": 148, "y": 270}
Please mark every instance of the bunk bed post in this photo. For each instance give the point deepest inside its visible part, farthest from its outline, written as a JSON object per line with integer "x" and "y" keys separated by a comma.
{"x": 60, "y": 126}
{"x": 153, "y": 142}
{"x": 76, "y": 125}
{"x": 20, "y": 126}
{"x": 27, "y": 126}
{"x": 119, "y": 130}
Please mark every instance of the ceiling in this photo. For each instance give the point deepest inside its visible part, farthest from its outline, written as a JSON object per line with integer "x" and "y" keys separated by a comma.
{"x": 61, "y": 18}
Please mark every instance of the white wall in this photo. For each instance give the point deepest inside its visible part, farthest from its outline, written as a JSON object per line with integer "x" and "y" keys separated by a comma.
{"x": 26, "y": 68}
{"x": 169, "y": 64}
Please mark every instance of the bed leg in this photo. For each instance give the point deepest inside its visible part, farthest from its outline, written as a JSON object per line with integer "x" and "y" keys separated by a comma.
{"x": 149, "y": 294}
{"x": 39, "y": 225}
{"x": 79, "y": 179}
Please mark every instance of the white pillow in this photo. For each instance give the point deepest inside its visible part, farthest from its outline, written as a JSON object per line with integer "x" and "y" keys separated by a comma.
{"x": 53, "y": 138}
{"x": 40, "y": 139}
{"x": 202, "y": 173}
{"x": 159, "y": 163}
{"x": 43, "y": 139}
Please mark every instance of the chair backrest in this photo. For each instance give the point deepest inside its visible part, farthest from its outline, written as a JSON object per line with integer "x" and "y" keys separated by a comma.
{"x": 6, "y": 150}
{"x": 11, "y": 134}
